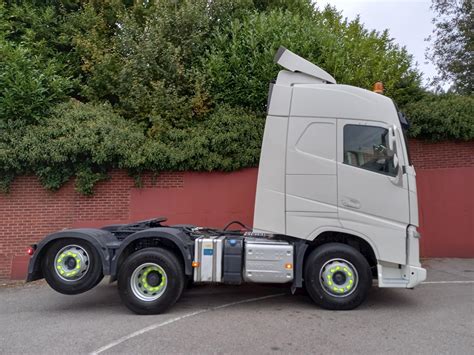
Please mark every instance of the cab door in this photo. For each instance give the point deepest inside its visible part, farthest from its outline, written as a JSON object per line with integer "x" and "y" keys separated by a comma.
{"x": 372, "y": 191}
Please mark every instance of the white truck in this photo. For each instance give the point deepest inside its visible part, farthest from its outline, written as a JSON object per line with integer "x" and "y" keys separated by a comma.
{"x": 335, "y": 208}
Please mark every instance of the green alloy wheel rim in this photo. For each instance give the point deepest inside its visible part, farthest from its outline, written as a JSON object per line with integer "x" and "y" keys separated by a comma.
{"x": 148, "y": 282}
{"x": 71, "y": 263}
{"x": 339, "y": 278}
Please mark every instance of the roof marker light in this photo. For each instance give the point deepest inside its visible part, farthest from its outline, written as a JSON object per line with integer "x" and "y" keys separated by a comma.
{"x": 378, "y": 88}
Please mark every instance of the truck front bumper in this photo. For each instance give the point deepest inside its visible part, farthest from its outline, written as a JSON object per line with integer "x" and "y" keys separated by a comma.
{"x": 405, "y": 276}
{"x": 415, "y": 274}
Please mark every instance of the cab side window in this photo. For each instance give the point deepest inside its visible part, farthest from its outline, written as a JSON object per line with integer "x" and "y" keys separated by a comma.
{"x": 366, "y": 147}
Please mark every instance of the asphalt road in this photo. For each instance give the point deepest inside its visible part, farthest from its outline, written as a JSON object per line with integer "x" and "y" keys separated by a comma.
{"x": 436, "y": 317}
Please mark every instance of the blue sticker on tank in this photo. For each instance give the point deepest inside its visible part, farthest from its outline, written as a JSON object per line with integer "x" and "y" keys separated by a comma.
{"x": 208, "y": 252}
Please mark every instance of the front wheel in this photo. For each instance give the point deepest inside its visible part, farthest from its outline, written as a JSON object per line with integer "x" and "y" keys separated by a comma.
{"x": 337, "y": 276}
{"x": 151, "y": 281}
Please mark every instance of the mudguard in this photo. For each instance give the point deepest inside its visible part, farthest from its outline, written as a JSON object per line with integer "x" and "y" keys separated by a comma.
{"x": 98, "y": 238}
{"x": 181, "y": 240}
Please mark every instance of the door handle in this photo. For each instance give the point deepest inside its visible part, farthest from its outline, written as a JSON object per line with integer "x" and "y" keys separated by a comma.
{"x": 350, "y": 202}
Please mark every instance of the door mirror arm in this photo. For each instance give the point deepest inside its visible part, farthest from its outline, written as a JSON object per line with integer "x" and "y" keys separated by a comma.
{"x": 398, "y": 178}
{"x": 392, "y": 138}
{"x": 395, "y": 161}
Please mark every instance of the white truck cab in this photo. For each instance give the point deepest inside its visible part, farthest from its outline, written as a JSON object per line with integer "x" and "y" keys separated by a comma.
{"x": 334, "y": 160}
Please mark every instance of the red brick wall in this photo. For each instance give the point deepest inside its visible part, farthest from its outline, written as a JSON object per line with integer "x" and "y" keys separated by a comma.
{"x": 426, "y": 155}
{"x": 29, "y": 212}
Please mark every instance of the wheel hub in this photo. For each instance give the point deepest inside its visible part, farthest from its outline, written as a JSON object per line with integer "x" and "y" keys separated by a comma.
{"x": 338, "y": 277}
{"x": 153, "y": 278}
{"x": 71, "y": 263}
{"x": 148, "y": 282}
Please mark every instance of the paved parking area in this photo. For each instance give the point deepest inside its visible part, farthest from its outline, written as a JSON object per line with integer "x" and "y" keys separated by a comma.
{"x": 436, "y": 317}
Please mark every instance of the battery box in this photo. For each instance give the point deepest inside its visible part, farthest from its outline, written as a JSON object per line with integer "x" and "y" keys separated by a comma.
{"x": 233, "y": 254}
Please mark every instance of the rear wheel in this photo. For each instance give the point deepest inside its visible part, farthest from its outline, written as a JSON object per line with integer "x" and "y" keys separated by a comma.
{"x": 72, "y": 266}
{"x": 337, "y": 276}
{"x": 151, "y": 281}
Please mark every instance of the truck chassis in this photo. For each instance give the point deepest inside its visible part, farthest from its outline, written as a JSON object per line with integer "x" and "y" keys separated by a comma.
{"x": 154, "y": 262}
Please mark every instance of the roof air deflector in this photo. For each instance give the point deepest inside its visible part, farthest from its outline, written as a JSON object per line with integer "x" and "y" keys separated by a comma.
{"x": 292, "y": 62}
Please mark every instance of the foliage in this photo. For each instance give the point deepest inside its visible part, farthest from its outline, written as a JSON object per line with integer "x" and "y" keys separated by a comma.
{"x": 31, "y": 84}
{"x": 442, "y": 117}
{"x": 146, "y": 69}
{"x": 453, "y": 46}
{"x": 240, "y": 64}
{"x": 87, "y": 140}
{"x": 78, "y": 139}
{"x": 147, "y": 63}
{"x": 94, "y": 85}
{"x": 229, "y": 140}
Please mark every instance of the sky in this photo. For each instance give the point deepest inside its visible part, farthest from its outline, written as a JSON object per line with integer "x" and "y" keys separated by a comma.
{"x": 408, "y": 22}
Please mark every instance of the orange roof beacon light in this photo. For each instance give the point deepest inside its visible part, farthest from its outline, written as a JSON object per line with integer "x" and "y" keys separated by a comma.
{"x": 378, "y": 88}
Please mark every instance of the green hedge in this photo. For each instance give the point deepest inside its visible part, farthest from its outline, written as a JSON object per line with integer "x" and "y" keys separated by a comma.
{"x": 442, "y": 117}
{"x": 87, "y": 140}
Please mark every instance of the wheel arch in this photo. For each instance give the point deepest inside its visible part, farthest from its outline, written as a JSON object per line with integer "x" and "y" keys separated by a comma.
{"x": 171, "y": 239}
{"x": 95, "y": 237}
{"x": 358, "y": 241}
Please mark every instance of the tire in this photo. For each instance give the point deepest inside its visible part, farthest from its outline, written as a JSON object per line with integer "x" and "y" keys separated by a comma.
{"x": 337, "y": 276}
{"x": 87, "y": 261}
{"x": 143, "y": 296}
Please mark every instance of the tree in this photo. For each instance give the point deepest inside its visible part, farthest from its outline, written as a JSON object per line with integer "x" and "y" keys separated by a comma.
{"x": 240, "y": 65}
{"x": 453, "y": 44}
